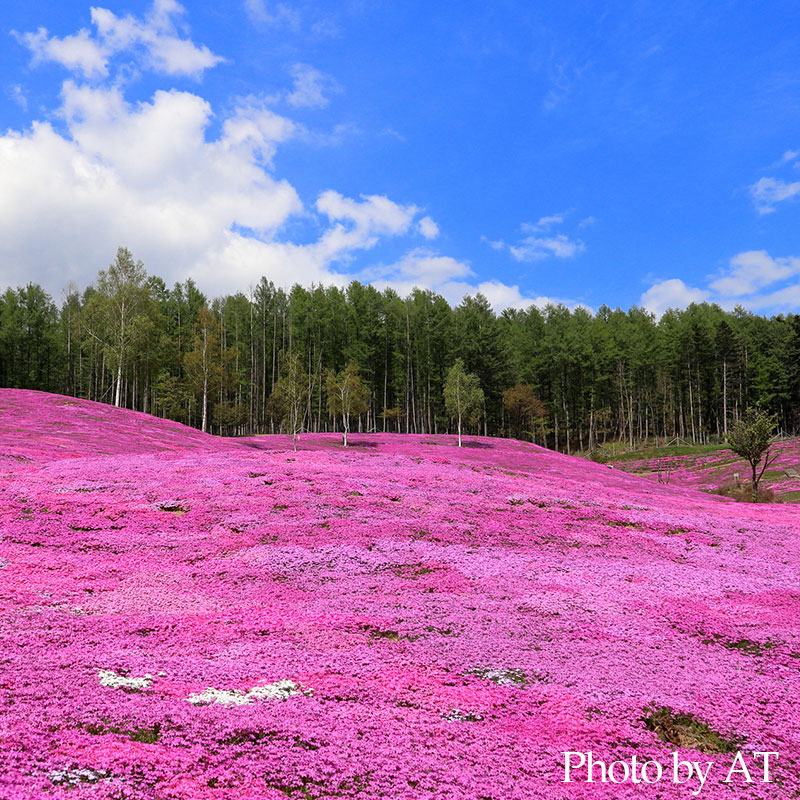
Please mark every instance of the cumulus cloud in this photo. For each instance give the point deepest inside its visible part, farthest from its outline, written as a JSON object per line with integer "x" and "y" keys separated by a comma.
{"x": 148, "y": 176}
{"x": 541, "y": 241}
{"x": 78, "y": 52}
{"x": 453, "y": 279}
{"x": 754, "y": 270}
{"x": 143, "y": 175}
{"x": 103, "y": 172}
{"x": 672, "y": 293}
{"x": 428, "y": 228}
{"x": 154, "y": 40}
{"x": 752, "y": 278}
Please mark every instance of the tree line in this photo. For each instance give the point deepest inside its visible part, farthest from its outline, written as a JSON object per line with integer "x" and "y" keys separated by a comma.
{"x": 568, "y": 379}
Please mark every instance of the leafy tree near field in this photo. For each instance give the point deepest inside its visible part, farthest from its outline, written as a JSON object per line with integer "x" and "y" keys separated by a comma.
{"x": 523, "y": 407}
{"x": 479, "y": 344}
{"x": 120, "y": 300}
{"x": 30, "y": 341}
{"x": 463, "y": 396}
{"x": 750, "y": 438}
{"x": 203, "y": 363}
{"x": 609, "y": 377}
{"x": 289, "y": 397}
{"x": 347, "y": 395}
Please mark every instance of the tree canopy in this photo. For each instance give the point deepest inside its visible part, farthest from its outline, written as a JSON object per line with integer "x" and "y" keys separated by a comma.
{"x": 463, "y": 396}
{"x": 750, "y": 438}
{"x": 601, "y": 376}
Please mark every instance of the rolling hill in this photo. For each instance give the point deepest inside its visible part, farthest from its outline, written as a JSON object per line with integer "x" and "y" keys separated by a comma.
{"x": 183, "y": 616}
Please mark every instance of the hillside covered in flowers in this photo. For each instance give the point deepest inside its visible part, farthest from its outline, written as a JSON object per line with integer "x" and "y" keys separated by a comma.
{"x": 184, "y": 617}
{"x": 716, "y": 470}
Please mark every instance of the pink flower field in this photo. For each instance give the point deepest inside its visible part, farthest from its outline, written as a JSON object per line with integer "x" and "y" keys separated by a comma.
{"x": 183, "y": 616}
{"x": 709, "y": 471}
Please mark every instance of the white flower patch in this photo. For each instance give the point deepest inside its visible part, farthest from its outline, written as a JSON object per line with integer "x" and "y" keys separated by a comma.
{"x": 457, "y": 715}
{"x": 72, "y": 777}
{"x": 225, "y": 697}
{"x": 3, "y": 563}
{"x": 110, "y": 678}
{"x": 502, "y": 677}
{"x": 280, "y": 690}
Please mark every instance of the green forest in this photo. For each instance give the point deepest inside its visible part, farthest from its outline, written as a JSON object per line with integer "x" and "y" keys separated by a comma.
{"x": 571, "y": 380}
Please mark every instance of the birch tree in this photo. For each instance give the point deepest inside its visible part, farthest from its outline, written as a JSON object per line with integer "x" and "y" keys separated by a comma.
{"x": 203, "y": 363}
{"x": 463, "y": 396}
{"x": 289, "y": 397}
{"x": 347, "y": 395}
{"x": 121, "y": 297}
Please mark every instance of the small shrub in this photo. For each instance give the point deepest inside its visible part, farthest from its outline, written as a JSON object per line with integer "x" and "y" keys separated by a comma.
{"x": 743, "y": 493}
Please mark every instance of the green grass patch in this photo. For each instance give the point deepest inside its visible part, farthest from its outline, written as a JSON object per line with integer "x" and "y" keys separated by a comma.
{"x": 686, "y": 730}
{"x": 664, "y": 452}
{"x": 149, "y": 735}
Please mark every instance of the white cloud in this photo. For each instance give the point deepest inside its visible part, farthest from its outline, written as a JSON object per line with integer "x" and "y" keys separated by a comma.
{"x": 310, "y": 87}
{"x": 424, "y": 269}
{"x": 502, "y": 296}
{"x": 373, "y": 216}
{"x": 673, "y": 293}
{"x": 147, "y": 176}
{"x": 143, "y": 176}
{"x": 151, "y": 176}
{"x": 768, "y": 192}
{"x": 535, "y": 248}
{"x": 428, "y": 228}
{"x": 153, "y": 39}
{"x": 543, "y": 224}
{"x": 393, "y": 134}
{"x": 754, "y": 270}
{"x": 788, "y": 157}
{"x": 257, "y": 11}
{"x": 78, "y": 52}
{"x": 742, "y": 282}
{"x": 786, "y": 299}
{"x": 541, "y": 241}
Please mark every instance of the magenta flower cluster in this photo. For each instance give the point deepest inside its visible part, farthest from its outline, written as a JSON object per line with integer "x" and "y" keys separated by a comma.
{"x": 190, "y": 618}
{"x": 710, "y": 471}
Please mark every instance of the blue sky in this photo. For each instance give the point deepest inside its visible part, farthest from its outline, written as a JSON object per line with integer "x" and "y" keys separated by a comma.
{"x": 617, "y": 153}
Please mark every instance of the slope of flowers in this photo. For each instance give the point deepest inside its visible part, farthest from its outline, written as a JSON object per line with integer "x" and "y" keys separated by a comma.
{"x": 403, "y": 619}
{"x": 37, "y": 425}
{"x": 709, "y": 471}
